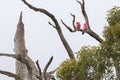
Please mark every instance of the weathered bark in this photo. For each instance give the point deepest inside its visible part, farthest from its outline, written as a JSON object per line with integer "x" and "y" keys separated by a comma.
{"x": 25, "y": 72}
{"x": 20, "y": 49}
{"x": 25, "y": 67}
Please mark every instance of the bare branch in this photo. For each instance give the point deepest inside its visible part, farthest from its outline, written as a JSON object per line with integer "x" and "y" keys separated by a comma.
{"x": 9, "y": 74}
{"x": 52, "y": 25}
{"x": 65, "y": 43}
{"x": 89, "y": 31}
{"x": 40, "y": 72}
{"x": 95, "y": 36}
{"x": 23, "y": 60}
{"x": 46, "y": 67}
{"x": 79, "y": 2}
{"x": 8, "y": 55}
{"x": 42, "y": 11}
{"x": 73, "y": 22}
{"x": 68, "y": 27}
{"x": 84, "y": 12}
{"x": 18, "y": 57}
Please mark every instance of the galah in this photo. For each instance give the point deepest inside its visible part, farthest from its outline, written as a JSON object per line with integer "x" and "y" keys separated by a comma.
{"x": 85, "y": 27}
{"x": 78, "y": 25}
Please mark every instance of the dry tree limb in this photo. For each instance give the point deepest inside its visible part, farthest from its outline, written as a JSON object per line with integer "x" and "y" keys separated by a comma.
{"x": 46, "y": 67}
{"x": 40, "y": 72}
{"x": 70, "y": 29}
{"x": 73, "y": 23}
{"x": 84, "y": 12}
{"x": 45, "y": 75}
{"x": 23, "y": 60}
{"x": 56, "y": 26}
{"x": 89, "y": 31}
{"x": 9, "y": 74}
{"x": 52, "y": 25}
{"x": 8, "y": 55}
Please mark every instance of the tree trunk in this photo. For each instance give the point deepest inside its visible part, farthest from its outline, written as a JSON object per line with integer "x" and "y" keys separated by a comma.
{"x": 22, "y": 69}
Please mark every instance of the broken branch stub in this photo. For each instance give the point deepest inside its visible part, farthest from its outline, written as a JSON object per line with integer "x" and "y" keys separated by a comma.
{"x": 26, "y": 69}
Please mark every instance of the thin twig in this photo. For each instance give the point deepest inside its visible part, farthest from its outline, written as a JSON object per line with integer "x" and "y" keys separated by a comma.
{"x": 73, "y": 22}
{"x": 67, "y": 26}
{"x": 37, "y": 63}
{"x": 52, "y": 25}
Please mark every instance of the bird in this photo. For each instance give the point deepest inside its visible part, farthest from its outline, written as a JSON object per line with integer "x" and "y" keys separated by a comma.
{"x": 85, "y": 27}
{"x": 78, "y": 25}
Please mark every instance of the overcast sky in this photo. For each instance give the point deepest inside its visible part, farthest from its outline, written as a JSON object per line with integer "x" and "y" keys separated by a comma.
{"x": 42, "y": 40}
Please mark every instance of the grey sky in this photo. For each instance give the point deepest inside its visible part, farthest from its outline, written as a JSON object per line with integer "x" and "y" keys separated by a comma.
{"x": 42, "y": 40}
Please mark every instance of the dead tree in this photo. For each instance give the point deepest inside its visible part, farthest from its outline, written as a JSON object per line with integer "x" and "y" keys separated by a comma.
{"x": 58, "y": 28}
{"x": 25, "y": 66}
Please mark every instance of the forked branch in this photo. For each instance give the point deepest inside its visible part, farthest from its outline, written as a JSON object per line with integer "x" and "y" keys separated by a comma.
{"x": 89, "y": 31}
{"x": 56, "y": 26}
{"x": 19, "y": 58}
{"x": 45, "y": 75}
{"x": 82, "y": 4}
{"x": 73, "y": 24}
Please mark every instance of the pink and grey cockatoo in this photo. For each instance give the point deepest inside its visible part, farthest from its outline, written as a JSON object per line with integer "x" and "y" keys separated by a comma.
{"x": 85, "y": 27}
{"x": 78, "y": 25}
